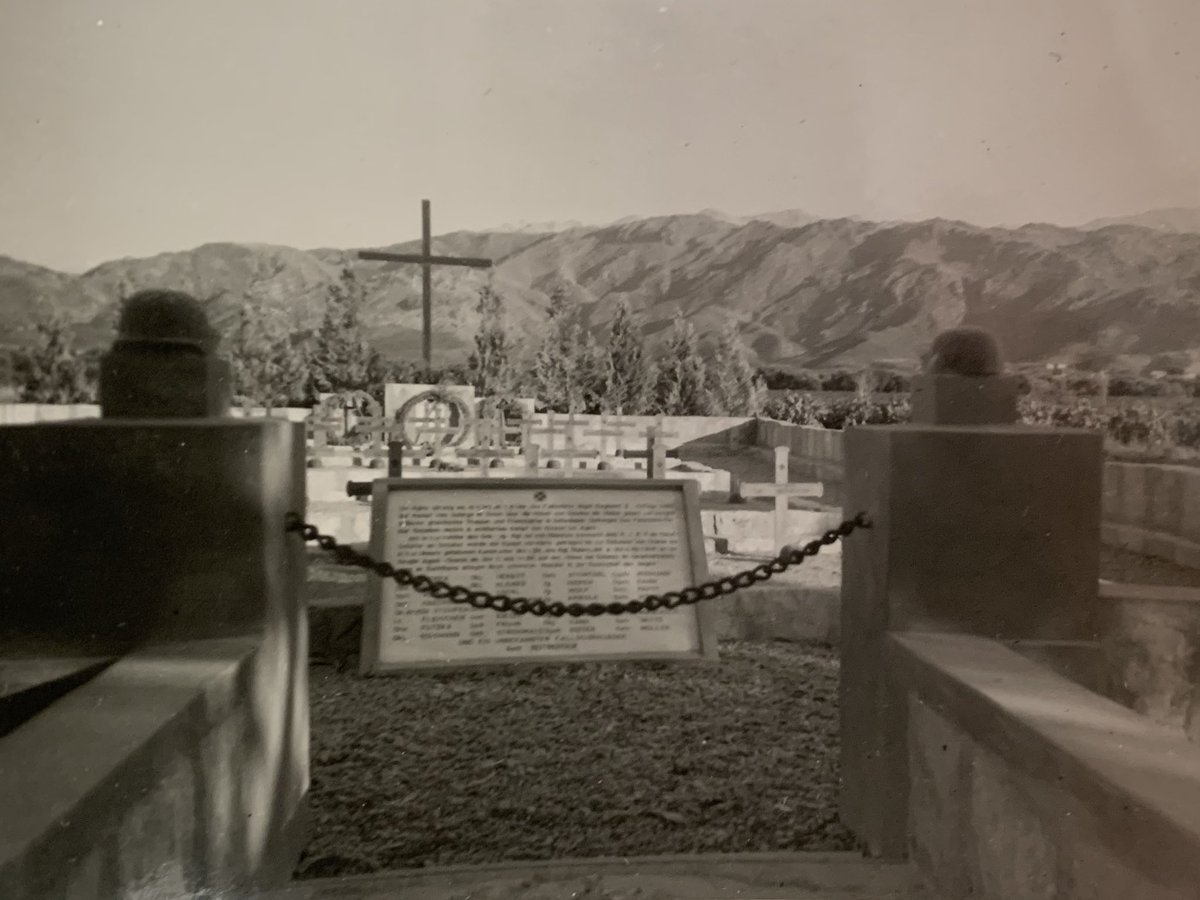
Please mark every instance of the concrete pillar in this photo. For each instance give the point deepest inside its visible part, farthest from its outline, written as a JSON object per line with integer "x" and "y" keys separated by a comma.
{"x": 988, "y": 528}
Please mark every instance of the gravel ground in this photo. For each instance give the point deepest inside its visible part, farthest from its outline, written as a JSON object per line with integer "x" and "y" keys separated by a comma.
{"x": 588, "y": 760}
{"x": 576, "y": 761}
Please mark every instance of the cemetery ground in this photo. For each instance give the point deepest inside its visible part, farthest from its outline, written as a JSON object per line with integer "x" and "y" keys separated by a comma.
{"x": 569, "y": 760}
{"x": 587, "y": 760}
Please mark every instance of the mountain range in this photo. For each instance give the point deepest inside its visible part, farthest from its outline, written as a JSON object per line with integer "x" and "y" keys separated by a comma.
{"x": 804, "y": 292}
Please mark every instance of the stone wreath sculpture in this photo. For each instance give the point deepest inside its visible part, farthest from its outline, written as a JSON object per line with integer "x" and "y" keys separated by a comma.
{"x": 435, "y": 395}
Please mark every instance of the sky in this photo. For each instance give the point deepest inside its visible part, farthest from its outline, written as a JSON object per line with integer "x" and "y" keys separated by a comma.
{"x": 133, "y": 127}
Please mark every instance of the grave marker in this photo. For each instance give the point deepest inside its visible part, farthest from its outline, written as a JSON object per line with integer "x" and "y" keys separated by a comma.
{"x": 489, "y": 450}
{"x": 587, "y": 541}
{"x": 379, "y": 431}
{"x": 550, "y": 431}
{"x": 571, "y": 452}
{"x": 781, "y": 490}
{"x": 656, "y": 448}
{"x": 437, "y": 427}
{"x": 615, "y": 428}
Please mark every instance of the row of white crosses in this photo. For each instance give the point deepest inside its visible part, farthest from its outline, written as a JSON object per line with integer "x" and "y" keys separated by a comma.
{"x": 539, "y": 443}
{"x": 615, "y": 427}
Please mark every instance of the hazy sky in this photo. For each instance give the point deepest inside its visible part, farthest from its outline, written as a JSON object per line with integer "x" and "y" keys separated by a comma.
{"x": 130, "y": 127}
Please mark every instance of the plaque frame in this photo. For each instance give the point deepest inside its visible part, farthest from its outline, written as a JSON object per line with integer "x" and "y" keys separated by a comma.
{"x": 384, "y": 489}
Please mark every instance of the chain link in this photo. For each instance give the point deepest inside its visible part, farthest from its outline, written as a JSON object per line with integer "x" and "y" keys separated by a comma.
{"x": 711, "y": 590}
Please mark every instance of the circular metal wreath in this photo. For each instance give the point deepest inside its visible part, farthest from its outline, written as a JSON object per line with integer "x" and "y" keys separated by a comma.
{"x": 436, "y": 395}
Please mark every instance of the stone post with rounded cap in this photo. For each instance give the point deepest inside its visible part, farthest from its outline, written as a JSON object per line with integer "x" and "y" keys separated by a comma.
{"x": 964, "y": 382}
{"x": 981, "y": 526}
{"x": 163, "y": 364}
{"x": 155, "y": 535}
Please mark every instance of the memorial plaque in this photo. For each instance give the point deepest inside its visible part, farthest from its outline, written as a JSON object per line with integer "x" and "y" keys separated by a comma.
{"x": 579, "y": 541}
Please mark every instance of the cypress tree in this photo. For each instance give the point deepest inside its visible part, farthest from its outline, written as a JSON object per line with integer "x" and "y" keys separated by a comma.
{"x": 736, "y": 389}
{"x": 628, "y": 373}
{"x": 683, "y": 388}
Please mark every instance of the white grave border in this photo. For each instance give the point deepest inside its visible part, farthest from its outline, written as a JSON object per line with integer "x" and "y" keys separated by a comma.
{"x": 383, "y": 489}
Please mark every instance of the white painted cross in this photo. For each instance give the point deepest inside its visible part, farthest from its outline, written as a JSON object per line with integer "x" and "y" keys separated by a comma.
{"x": 436, "y": 427}
{"x": 534, "y": 452}
{"x": 571, "y": 452}
{"x": 656, "y": 448}
{"x": 380, "y": 429}
{"x": 781, "y": 490}
{"x": 489, "y": 443}
{"x": 614, "y": 428}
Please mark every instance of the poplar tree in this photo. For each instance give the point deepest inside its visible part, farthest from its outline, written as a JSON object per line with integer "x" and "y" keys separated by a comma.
{"x": 341, "y": 358}
{"x": 565, "y": 367}
{"x": 682, "y": 376}
{"x": 629, "y": 375}
{"x": 269, "y": 370}
{"x": 737, "y": 390}
{"x": 490, "y": 363}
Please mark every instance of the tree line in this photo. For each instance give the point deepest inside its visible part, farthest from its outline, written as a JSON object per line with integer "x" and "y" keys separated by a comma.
{"x": 566, "y": 368}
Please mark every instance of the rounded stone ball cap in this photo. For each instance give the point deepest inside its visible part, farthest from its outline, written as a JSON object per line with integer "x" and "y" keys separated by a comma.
{"x": 973, "y": 352}
{"x": 165, "y": 318}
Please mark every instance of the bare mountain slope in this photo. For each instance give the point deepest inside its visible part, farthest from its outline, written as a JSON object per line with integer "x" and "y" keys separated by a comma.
{"x": 1179, "y": 219}
{"x": 822, "y": 293}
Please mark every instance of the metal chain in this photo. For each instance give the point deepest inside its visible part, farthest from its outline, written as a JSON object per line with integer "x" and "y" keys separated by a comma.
{"x": 711, "y": 590}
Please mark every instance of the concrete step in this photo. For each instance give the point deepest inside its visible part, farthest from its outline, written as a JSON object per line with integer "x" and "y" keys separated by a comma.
{"x": 752, "y": 876}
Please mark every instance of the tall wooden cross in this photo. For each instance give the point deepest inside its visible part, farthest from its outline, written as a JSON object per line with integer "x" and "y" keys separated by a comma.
{"x": 427, "y": 261}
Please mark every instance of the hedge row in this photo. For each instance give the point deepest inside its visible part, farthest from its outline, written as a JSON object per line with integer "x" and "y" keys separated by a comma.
{"x": 1131, "y": 424}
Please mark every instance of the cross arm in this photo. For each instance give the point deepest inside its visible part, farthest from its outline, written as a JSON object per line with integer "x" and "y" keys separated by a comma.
{"x": 794, "y": 489}
{"x": 473, "y": 262}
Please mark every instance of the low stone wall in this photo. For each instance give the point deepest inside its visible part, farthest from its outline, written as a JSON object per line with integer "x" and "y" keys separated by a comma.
{"x": 178, "y": 768}
{"x": 32, "y": 413}
{"x": 1022, "y": 784}
{"x": 678, "y": 431}
{"x": 1153, "y": 509}
{"x": 328, "y": 483}
{"x": 1150, "y": 509}
{"x": 818, "y": 449}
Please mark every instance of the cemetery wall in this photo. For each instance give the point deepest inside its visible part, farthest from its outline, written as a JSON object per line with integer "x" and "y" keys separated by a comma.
{"x": 1022, "y": 784}
{"x": 1153, "y": 509}
{"x": 161, "y": 776}
{"x": 31, "y": 413}
{"x": 678, "y": 430}
{"x": 819, "y": 449}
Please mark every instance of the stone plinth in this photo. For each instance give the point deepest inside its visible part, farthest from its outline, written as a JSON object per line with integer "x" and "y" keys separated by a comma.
{"x": 942, "y": 399}
{"x": 148, "y": 383}
{"x": 118, "y": 531}
{"x": 163, "y": 364}
{"x": 987, "y": 530}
